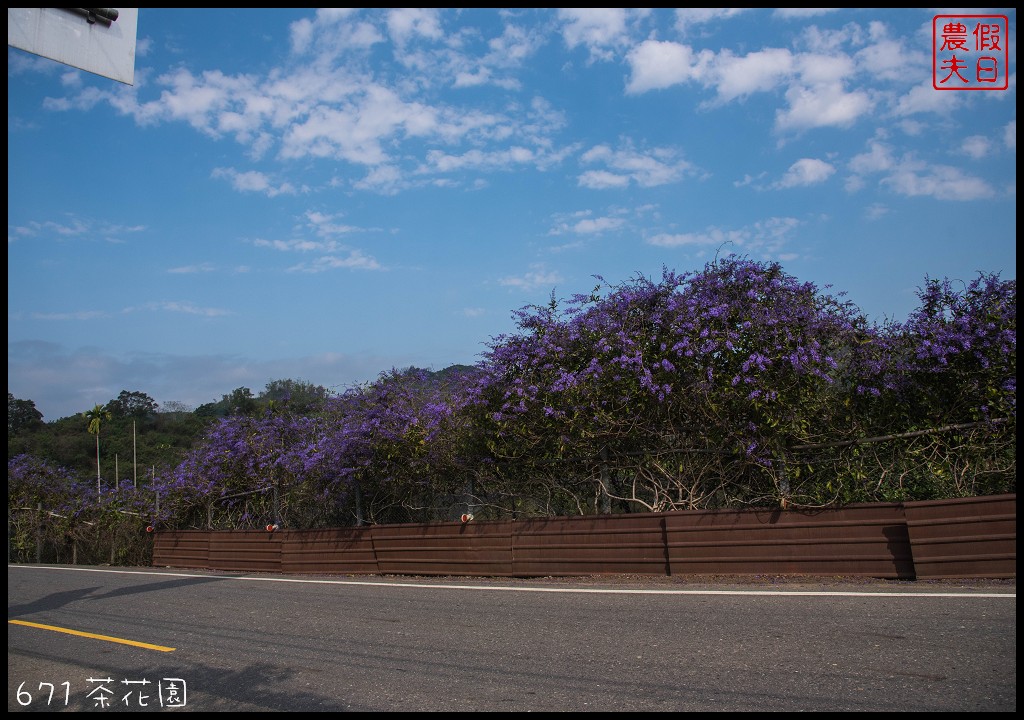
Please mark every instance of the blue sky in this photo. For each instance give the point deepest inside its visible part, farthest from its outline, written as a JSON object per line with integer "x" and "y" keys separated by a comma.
{"x": 326, "y": 195}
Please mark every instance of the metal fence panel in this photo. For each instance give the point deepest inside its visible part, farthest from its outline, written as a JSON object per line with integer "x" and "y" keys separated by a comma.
{"x": 970, "y": 537}
{"x": 869, "y": 540}
{"x": 590, "y": 545}
{"x": 333, "y": 550}
{"x": 181, "y": 548}
{"x": 245, "y": 550}
{"x": 471, "y": 548}
{"x": 973, "y": 537}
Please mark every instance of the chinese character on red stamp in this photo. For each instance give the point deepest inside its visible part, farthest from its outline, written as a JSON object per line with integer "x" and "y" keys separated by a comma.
{"x": 970, "y": 52}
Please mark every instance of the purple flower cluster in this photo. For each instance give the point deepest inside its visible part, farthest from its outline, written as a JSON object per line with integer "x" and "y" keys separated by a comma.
{"x": 723, "y": 355}
{"x": 688, "y": 391}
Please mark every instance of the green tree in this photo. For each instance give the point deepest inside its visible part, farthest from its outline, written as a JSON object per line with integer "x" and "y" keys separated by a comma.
{"x": 298, "y": 396}
{"x": 241, "y": 401}
{"x": 96, "y": 416}
{"x": 135, "y": 404}
{"x": 22, "y": 415}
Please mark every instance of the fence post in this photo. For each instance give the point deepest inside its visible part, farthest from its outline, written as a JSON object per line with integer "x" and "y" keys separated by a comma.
{"x": 277, "y": 506}
{"x": 606, "y": 498}
{"x": 360, "y": 520}
{"x": 39, "y": 534}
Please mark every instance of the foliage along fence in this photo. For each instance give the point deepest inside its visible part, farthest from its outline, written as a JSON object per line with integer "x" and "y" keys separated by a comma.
{"x": 36, "y": 534}
{"x": 965, "y": 538}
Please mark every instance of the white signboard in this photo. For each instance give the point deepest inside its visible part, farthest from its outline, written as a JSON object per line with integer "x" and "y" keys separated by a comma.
{"x": 97, "y": 40}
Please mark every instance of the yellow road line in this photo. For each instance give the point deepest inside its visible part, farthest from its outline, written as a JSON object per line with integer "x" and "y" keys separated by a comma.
{"x": 108, "y": 638}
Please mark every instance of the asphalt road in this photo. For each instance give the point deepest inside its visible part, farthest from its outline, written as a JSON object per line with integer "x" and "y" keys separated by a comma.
{"x": 145, "y": 639}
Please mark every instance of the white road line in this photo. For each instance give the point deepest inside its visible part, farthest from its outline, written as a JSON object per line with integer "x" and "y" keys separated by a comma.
{"x": 513, "y": 588}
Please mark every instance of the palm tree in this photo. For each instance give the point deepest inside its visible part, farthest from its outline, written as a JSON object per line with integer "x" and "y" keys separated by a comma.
{"x": 95, "y": 417}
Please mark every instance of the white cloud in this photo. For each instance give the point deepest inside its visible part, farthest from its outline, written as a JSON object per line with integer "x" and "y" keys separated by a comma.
{"x": 406, "y": 23}
{"x": 602, "y": 180}
{"x": 199, "y": 100}
{"x": 293, "y": 245}
{"x": 656, "y": 65}
{"x": 582, "y": 222}
{"x": 806, "y": 171}
{"x": 976, "y": 146}
{"x": 481, "y": 76}
{"x": 712, "y": 236}
{"x": 659, "y": 166}
{"x": 192, "y": 269}
{"x": 386, "y": 179}
{"x": 301, "y": 32}
{"x": 822, "y": 106}
{"x": 71, "y": 79}
{"x": 892, "y": 60}
{"x": 830, "y": 70}
{"x": 565, "y": 247}
{"x": 756, "y": 72}
{"x": 505, "y": 54}
{"x": 916, "y": 179}
{"x": 355, "y": 131}
{"x": 354, "y": 260}
{"x": 876, "y": 211}
{"x": 253, "y": 181}
{"x": 76, "y": 227}
{"x": 925, "y": 98}
{"x": 332, "y": 31}
{"x": 801, "y": 13}
{"x": 600, "y": 30}
{"x": 187, "y": 308}
{"x": 330, "y": 253}
{"x": 328, "y": 108}
{"x": 538, "y": 277}
{"x": 1010, "y": 135}
{"x": 766, "y": 238}
{"x": 76, "y": 316}
{"x": 466, "y": 58}
{"x": 830, "y": 41}
{"x": 513, "y": 46}
{"x": 597, "y": 225}
{"x": 854, "y": 183}
{"x": 686, "y": 18}
{"x": 815, "y": 92}
{"x": 507, "y": 158}
{"x": 326, "y": 225}
{"x": 878, "y": 159}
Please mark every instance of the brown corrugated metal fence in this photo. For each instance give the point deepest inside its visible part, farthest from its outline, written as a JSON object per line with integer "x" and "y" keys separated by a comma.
{"x": 974, "y": 537}
{"x": 444, "y": 549}
{"x": 590, "y": 545}
{"x": 869, "y": 540}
